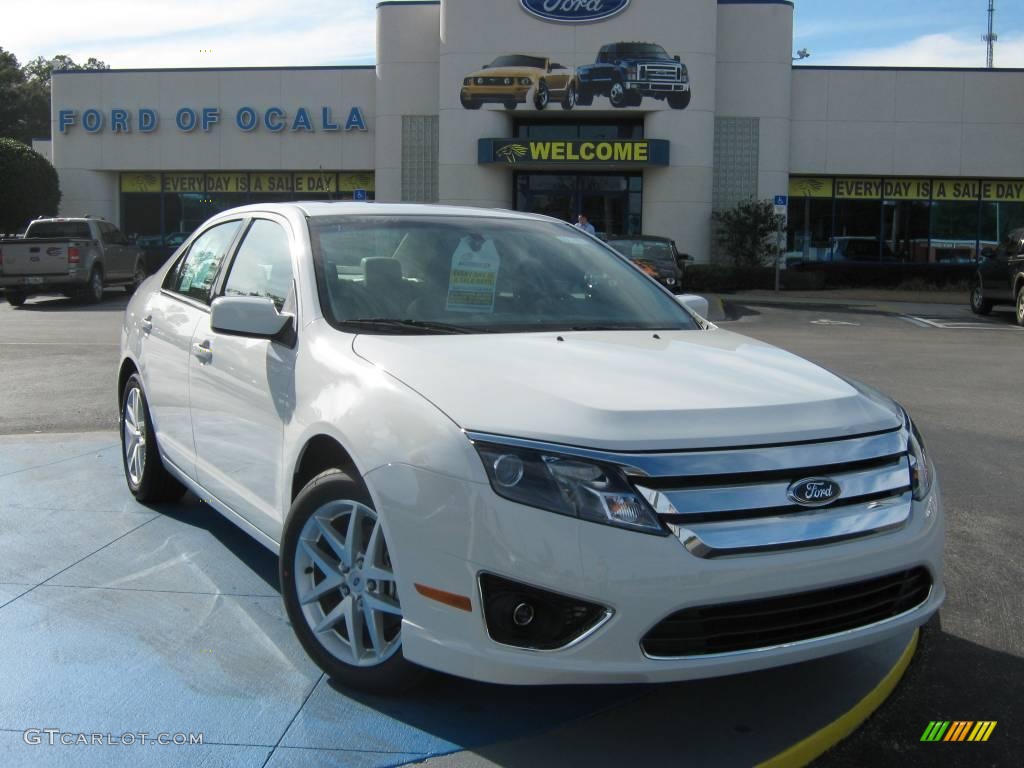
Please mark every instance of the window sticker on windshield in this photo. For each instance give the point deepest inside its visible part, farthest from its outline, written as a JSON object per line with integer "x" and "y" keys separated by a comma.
{"x": 474, "y": 276}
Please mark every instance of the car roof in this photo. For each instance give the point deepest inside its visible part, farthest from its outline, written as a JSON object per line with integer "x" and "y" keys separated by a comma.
{"x": 647, "y": 238}
{"x": 318, "y": 208}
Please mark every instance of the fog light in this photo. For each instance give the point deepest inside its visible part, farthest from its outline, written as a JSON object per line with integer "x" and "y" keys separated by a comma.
{"x": 528, "y": 617}
{"x": 523, "y": 615}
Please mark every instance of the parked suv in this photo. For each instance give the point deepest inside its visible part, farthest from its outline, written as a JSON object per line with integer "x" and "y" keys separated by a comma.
{"x": 468, "y": 461}
{"x": 657, "y": 256}
{"x": 76, "y": 257}
{"x": 626, "y": 72}
{"x": 1000, "y": 277}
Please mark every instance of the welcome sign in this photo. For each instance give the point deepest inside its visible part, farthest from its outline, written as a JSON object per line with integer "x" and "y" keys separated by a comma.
{"x": 574, "y": 11}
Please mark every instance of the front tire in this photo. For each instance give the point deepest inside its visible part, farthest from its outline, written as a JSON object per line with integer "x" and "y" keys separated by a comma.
{"x": 144, "y": 471}
{"x": 1020, "y": 306}
{"x": 979, "y": 304}
{"x": 339, "y": 587}
{"x": 15, "y": 298}
{"x": 679, "y": 100}
{"x": 584, "y": 96}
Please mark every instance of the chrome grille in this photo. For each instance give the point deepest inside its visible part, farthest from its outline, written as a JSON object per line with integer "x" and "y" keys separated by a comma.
{"x": 747, "y": 507}
{"x": 664, "y": 72}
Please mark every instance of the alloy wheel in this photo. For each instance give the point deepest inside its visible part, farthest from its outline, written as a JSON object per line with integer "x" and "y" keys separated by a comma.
{"x": 345, "y": 584}
{"x": 976, "y": 297}
{"x": 617, "y": 96}
{"x": 134, "y": 436}
{"x": 1020, "y": 307}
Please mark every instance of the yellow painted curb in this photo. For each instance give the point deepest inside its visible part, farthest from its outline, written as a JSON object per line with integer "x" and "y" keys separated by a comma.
{"x": 821, "y": 741}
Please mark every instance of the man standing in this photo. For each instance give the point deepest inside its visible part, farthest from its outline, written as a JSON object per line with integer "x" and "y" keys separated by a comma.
{"x": 583, "y": 223}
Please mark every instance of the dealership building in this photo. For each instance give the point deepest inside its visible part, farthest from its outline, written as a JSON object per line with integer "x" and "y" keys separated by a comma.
{"x": 645, "y": 115}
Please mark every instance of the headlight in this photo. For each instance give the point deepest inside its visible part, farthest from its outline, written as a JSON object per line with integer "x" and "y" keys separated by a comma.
{"x": 525, "y": 81}
{"x": 568, "y": 485}
{"x": 921, "y": 470}
{"x": 631, "y": 72}
{"x": 468, "y": 81}
{"x": 479, "y": 81}
{"x": 670, "y": 281}
{"x": 508, "y": 81}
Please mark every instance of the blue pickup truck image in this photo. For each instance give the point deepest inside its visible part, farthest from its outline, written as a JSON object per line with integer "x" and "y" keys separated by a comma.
{"x": 627, "y": 72}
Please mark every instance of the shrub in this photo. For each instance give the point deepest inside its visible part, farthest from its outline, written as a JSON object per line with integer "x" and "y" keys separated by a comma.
{"x": 748, "y": 232}
{"x": 28, "y": 186}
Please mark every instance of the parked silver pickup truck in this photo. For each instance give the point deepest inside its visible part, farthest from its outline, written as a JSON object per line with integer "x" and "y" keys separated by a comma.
{"x": 76, "y": 257}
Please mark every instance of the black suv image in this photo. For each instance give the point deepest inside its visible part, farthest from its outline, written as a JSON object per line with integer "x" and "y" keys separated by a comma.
{"x": 1000, "y": 277}
{"x": 626, "y": 72}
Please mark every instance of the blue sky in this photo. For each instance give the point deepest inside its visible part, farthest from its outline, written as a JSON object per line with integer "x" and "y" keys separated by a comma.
{"x": 212, "y": 33}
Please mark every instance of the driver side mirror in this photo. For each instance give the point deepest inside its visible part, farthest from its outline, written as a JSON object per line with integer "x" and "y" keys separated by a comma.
{"x": 696, "y": 304}
{"x": 254, "y": 317}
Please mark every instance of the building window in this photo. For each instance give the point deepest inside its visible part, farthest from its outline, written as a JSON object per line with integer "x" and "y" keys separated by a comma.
{"x": 553, "y": 130}
{"x": 419, "y": 158}
{"x": 954, "y": 230}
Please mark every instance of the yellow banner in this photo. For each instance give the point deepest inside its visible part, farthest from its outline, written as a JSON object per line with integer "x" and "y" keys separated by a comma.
{"x": 1002, "y": 191}
{"x": 316, "y": 182}
{"x": 350, "y": 181}
{"x": 140, "y": 182}
{"x": 955, "y": 189}
{"x": 906, "y": 189}
{"x": 270, "y": 182}
{"x": 227, "y": 182}
{"x": 810, "y": 187}
{"x": 859, "y": 189}
{"x": 183, "y": 183}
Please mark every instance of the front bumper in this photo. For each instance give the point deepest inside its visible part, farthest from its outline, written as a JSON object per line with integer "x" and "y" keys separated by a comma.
{"x": 653, "y": 88}
{"x": 495, "y": 94}
{"x": 443, "y": 532}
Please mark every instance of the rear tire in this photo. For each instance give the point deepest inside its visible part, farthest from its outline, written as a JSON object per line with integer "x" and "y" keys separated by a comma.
{"x": 15, "y": 298}
{"x": 336, "y": 587}
{"x": 570, "y": 99}
{"x": 144, "y": 471}
{"x": 979, "y": 304}
{"x": 1020, "y": 306}
{"x": 137, "y": 278}
{"x": 93, "y": 291}
{"x": 542, "y": 96}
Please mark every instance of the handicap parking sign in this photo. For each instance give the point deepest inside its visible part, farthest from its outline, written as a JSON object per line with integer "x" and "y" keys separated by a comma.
{"x": 360, "y": 195}
{"x": 781, "y": 204}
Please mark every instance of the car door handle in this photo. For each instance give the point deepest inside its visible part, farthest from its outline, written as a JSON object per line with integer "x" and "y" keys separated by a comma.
{"x": 147, "y": 324}
{"x": 202, "y": 351}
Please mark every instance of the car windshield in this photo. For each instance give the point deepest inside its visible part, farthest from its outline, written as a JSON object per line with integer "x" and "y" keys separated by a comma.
{"x": 467, "y": 274}
{"x": 655, "y": 251}
{"x": 641, "y": 51}
{"x": 71, "y": 229}
{"x": 519, "y": 61}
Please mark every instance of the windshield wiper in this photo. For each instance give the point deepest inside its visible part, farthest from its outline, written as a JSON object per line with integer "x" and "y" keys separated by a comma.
{"x": 393, "y": 324}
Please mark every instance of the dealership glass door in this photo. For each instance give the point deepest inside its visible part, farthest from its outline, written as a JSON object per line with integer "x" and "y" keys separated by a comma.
{"x": 613, "y": 202}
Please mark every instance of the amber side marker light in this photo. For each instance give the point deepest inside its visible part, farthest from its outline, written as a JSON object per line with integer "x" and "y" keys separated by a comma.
{"x": 448, "y": 598}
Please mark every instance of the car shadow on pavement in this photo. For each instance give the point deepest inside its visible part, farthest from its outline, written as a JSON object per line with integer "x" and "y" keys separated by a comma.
{"x": 111, "y": 303}
{"x": 257, "y": 558}
{"x": 950, "y": 679}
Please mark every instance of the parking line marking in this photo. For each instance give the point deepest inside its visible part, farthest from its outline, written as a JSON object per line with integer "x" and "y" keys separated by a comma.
{"x": 56, "y": 344}
{"x": 953, "y": 324}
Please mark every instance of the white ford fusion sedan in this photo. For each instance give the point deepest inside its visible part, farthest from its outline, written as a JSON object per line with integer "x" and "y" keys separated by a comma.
{"x": 485, "y": 443}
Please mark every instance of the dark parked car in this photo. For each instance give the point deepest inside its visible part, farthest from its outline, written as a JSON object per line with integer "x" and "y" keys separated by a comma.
{"x": 627, "y": 72}
{"x": 158, "y": 249}
{"x": 1000, "y": 277}
{"x": 657, "y": 256}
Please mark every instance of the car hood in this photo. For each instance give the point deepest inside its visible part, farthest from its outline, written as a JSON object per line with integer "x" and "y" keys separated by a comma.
{"x": 507, "y": 72}
{"x": 630, "y": 390}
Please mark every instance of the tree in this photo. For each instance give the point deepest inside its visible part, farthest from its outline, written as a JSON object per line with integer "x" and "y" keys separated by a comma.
{"x": 25, "y": 93}
{"x": 747, "y": 233}
{"x": 28, "y": 186}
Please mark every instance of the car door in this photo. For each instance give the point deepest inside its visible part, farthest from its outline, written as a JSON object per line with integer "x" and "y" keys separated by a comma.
{"x": 1016, "y": 263}
{"x": 168, "y": 322}
{"x": 997, "y": 271}
{"x": 113, "y": 252}
{"x": 242, "y": 390}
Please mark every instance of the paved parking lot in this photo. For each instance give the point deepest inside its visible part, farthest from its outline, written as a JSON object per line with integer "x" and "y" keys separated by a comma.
{"x": 120, "y": 617}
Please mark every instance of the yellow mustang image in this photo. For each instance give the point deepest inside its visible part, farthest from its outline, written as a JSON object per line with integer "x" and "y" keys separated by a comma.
{"x": 510, "y": 79}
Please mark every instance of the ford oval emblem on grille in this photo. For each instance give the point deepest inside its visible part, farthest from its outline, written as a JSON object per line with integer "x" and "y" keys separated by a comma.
{"x": 574, "y": 10}
{"x": 814, "y": 492}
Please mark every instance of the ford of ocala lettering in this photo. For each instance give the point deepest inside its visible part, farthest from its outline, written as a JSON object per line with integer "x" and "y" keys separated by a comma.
{"x": 510, "y": 79}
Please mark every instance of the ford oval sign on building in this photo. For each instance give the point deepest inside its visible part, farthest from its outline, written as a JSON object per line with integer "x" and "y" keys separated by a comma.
{"x": 574, "y": 11}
